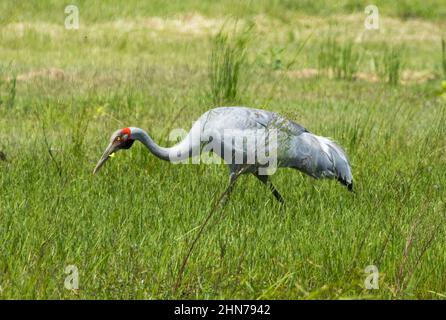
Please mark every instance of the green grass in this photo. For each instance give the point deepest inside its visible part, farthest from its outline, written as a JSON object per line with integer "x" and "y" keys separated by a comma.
{"x": 389, "y": 64}
{"x": 97, "y": 11}
{"x": 226, "y": 64}
{"x": 128, "y": 228}
{"x": 339, "y": 59}
{"x": 443, "y": 57}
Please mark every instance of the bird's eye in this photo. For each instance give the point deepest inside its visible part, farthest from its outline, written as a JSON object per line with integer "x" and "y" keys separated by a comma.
{"x": 118, "y": 138}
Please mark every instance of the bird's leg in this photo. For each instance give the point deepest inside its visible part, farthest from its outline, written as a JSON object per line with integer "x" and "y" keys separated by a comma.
{"x": 265, "y": 180}
{"x": 234, "y": 173}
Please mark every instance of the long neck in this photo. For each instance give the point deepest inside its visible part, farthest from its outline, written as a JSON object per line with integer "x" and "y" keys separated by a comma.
{"x": 160, "y": 152}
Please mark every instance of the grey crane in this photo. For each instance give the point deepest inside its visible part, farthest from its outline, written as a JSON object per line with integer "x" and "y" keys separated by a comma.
{"x": 294, "y": 147}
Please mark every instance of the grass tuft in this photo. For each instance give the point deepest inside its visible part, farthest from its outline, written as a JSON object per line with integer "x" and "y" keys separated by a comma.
{"x": 8, "y": 88}
{"x": 12, "y": 93}
{"x": 338, "y": 59}
{"x": 443, "y": 57}
{"x": 226, "y": 63}
{"x": 389, "y": 64}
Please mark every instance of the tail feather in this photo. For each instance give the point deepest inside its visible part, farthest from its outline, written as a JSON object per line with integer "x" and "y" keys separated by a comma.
{"x": 321, "y": 157}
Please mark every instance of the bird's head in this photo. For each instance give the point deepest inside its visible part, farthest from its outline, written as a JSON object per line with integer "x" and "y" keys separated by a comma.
{"x": 121, "y": 139}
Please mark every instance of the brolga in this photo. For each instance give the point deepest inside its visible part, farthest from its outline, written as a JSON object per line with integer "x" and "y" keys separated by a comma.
{"x": 253, "y": 141}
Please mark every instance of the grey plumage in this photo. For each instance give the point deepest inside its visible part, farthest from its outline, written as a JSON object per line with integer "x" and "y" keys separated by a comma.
{"x": 296, "y": 147}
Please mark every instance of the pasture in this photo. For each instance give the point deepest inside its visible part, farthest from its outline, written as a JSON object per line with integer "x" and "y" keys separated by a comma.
{"x": 159, "y": 65}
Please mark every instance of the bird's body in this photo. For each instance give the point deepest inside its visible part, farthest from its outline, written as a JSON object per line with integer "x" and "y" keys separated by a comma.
{"x": 240, "y": 136}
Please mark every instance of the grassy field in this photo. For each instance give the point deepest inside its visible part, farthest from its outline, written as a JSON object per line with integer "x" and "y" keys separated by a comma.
{"x": 377, "y": 92}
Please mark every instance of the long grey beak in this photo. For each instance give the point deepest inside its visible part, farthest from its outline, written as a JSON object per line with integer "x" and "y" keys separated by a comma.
{"x": 110, "y": 149}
